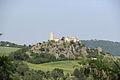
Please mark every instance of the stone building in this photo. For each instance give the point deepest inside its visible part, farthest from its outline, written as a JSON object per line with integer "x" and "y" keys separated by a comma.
{"x": 67, "y": 39}
{"x": 52, "y": 37}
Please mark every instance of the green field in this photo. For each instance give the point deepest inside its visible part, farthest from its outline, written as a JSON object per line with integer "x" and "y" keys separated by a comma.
{"x": 7, "y": 50}
{"x": 67, "y": 66}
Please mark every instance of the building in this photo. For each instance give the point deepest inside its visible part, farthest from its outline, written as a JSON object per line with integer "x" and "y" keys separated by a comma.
{"x": 71, "y": 39}
{"x": 52, "y": 37}
{"x": 67, "y": 39}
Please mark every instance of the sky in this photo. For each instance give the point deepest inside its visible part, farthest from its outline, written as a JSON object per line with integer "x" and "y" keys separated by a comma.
{"x": 31, "y": 21}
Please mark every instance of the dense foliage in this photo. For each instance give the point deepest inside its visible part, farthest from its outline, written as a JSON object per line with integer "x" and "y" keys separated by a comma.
{"x": 41, "y": 58}
{"x": 5, "y": 68}
{"x": 21, "y": 55}
{"x": 21, "y": 71}
{"x": 107, "y": 68}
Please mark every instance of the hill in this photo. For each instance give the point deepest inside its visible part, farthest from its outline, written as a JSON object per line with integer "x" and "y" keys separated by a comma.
{"x": 107, "y": 46}
{"x": 55, "y": 51}
{"x": 10, "y": 44}
{"x": 63, "y": 49}
{"x": 7, "y": 50}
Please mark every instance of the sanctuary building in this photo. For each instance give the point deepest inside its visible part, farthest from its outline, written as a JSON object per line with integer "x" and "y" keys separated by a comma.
{"x": 67, "y": 39}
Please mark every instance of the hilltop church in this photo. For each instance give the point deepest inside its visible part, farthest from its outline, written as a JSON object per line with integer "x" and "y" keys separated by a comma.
{"x": 67, "y": 39}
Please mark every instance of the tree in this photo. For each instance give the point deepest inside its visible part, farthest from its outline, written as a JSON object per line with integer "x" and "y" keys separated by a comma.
{"x": 22, "y": 69}
{"x": 63, "y": 38}
{"x": 57, "y": 73}
{"x": 62, "y": 57}
{"x": 77, "y": 74}
{"x": 72, "y": 42}
{"x": 5, "y": 68}
{"x": 20, "y": 54}
{"x": 32, "y": 75}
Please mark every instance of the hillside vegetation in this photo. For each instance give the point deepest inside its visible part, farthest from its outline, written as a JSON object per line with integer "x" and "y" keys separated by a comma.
{"x": 108, "y": 46}
{"x": 107, "y": 68}
{"x": 60, "y": 61}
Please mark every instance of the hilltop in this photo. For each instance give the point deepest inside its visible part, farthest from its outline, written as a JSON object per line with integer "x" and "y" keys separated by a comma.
{"x": 69, "y": 50}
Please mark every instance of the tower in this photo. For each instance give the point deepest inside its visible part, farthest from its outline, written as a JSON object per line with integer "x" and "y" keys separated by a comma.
{"x": 51, "y": 36}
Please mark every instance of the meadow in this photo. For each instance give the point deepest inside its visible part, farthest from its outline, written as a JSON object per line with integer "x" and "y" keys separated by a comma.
{"x": 67, "y": 66}
{"x": 7, "y": 50}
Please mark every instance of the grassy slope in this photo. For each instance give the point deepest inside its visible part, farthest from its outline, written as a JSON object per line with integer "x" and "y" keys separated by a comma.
{"x": 67, "y": 66}
{"x": 7, "y": 50}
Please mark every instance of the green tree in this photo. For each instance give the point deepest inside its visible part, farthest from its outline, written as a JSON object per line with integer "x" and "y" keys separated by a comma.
{"x": 62, "y": 57}
{"x": 77, "y": 74}
{"x": 63, "y": 38}
{"x": 57, "y": 73}
{"x": 5, "y": 68}
{"x": 22, "y": 69}
{"x": 32, "y": 75}
{"x": 20, "y": 54}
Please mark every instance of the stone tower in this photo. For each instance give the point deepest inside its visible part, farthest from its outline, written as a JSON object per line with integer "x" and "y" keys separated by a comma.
{"x": 51, "y": 36}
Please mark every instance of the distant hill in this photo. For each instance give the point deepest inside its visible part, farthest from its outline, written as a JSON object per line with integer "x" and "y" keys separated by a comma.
{"x": 108, "y": 46}
{"x": 10, "y": 44}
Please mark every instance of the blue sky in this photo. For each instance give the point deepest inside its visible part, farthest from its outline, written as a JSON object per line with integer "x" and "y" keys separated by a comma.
{"x": 31, "y": 21}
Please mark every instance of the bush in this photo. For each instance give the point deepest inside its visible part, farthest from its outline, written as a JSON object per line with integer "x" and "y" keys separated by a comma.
{"x": 20, "y": 54}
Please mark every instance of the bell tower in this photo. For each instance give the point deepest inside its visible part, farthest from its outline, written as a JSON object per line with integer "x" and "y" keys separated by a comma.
{"x": 51, "y": 36}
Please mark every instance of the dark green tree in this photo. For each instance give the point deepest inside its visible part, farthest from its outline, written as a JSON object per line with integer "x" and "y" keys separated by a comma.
{"x": 20, "y": 54}
{"x": 57, "y": 73}
{"x": 77, "y": 74}
{"x": 5, "y": 68}
{"x": 22, "y": 69}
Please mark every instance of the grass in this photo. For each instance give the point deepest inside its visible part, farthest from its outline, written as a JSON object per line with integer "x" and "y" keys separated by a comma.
{"x": 7, "y": 50}
{"x": 67, "y": 66}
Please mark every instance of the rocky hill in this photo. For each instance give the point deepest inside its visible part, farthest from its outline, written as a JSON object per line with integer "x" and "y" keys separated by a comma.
{"x": 69, "y": 50}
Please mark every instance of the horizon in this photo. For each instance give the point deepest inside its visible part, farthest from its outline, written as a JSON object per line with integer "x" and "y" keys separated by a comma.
{"x": 60, "y": 38}
{"x": 30, "y": 22}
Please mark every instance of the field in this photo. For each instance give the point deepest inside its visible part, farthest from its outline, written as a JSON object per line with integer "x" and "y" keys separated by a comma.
{"x": 67, "y": 66}
{"x": 7, "y": 50}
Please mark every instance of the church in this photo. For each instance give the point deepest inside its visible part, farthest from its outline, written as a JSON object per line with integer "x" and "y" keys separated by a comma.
{"x": 67, "y": 39}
